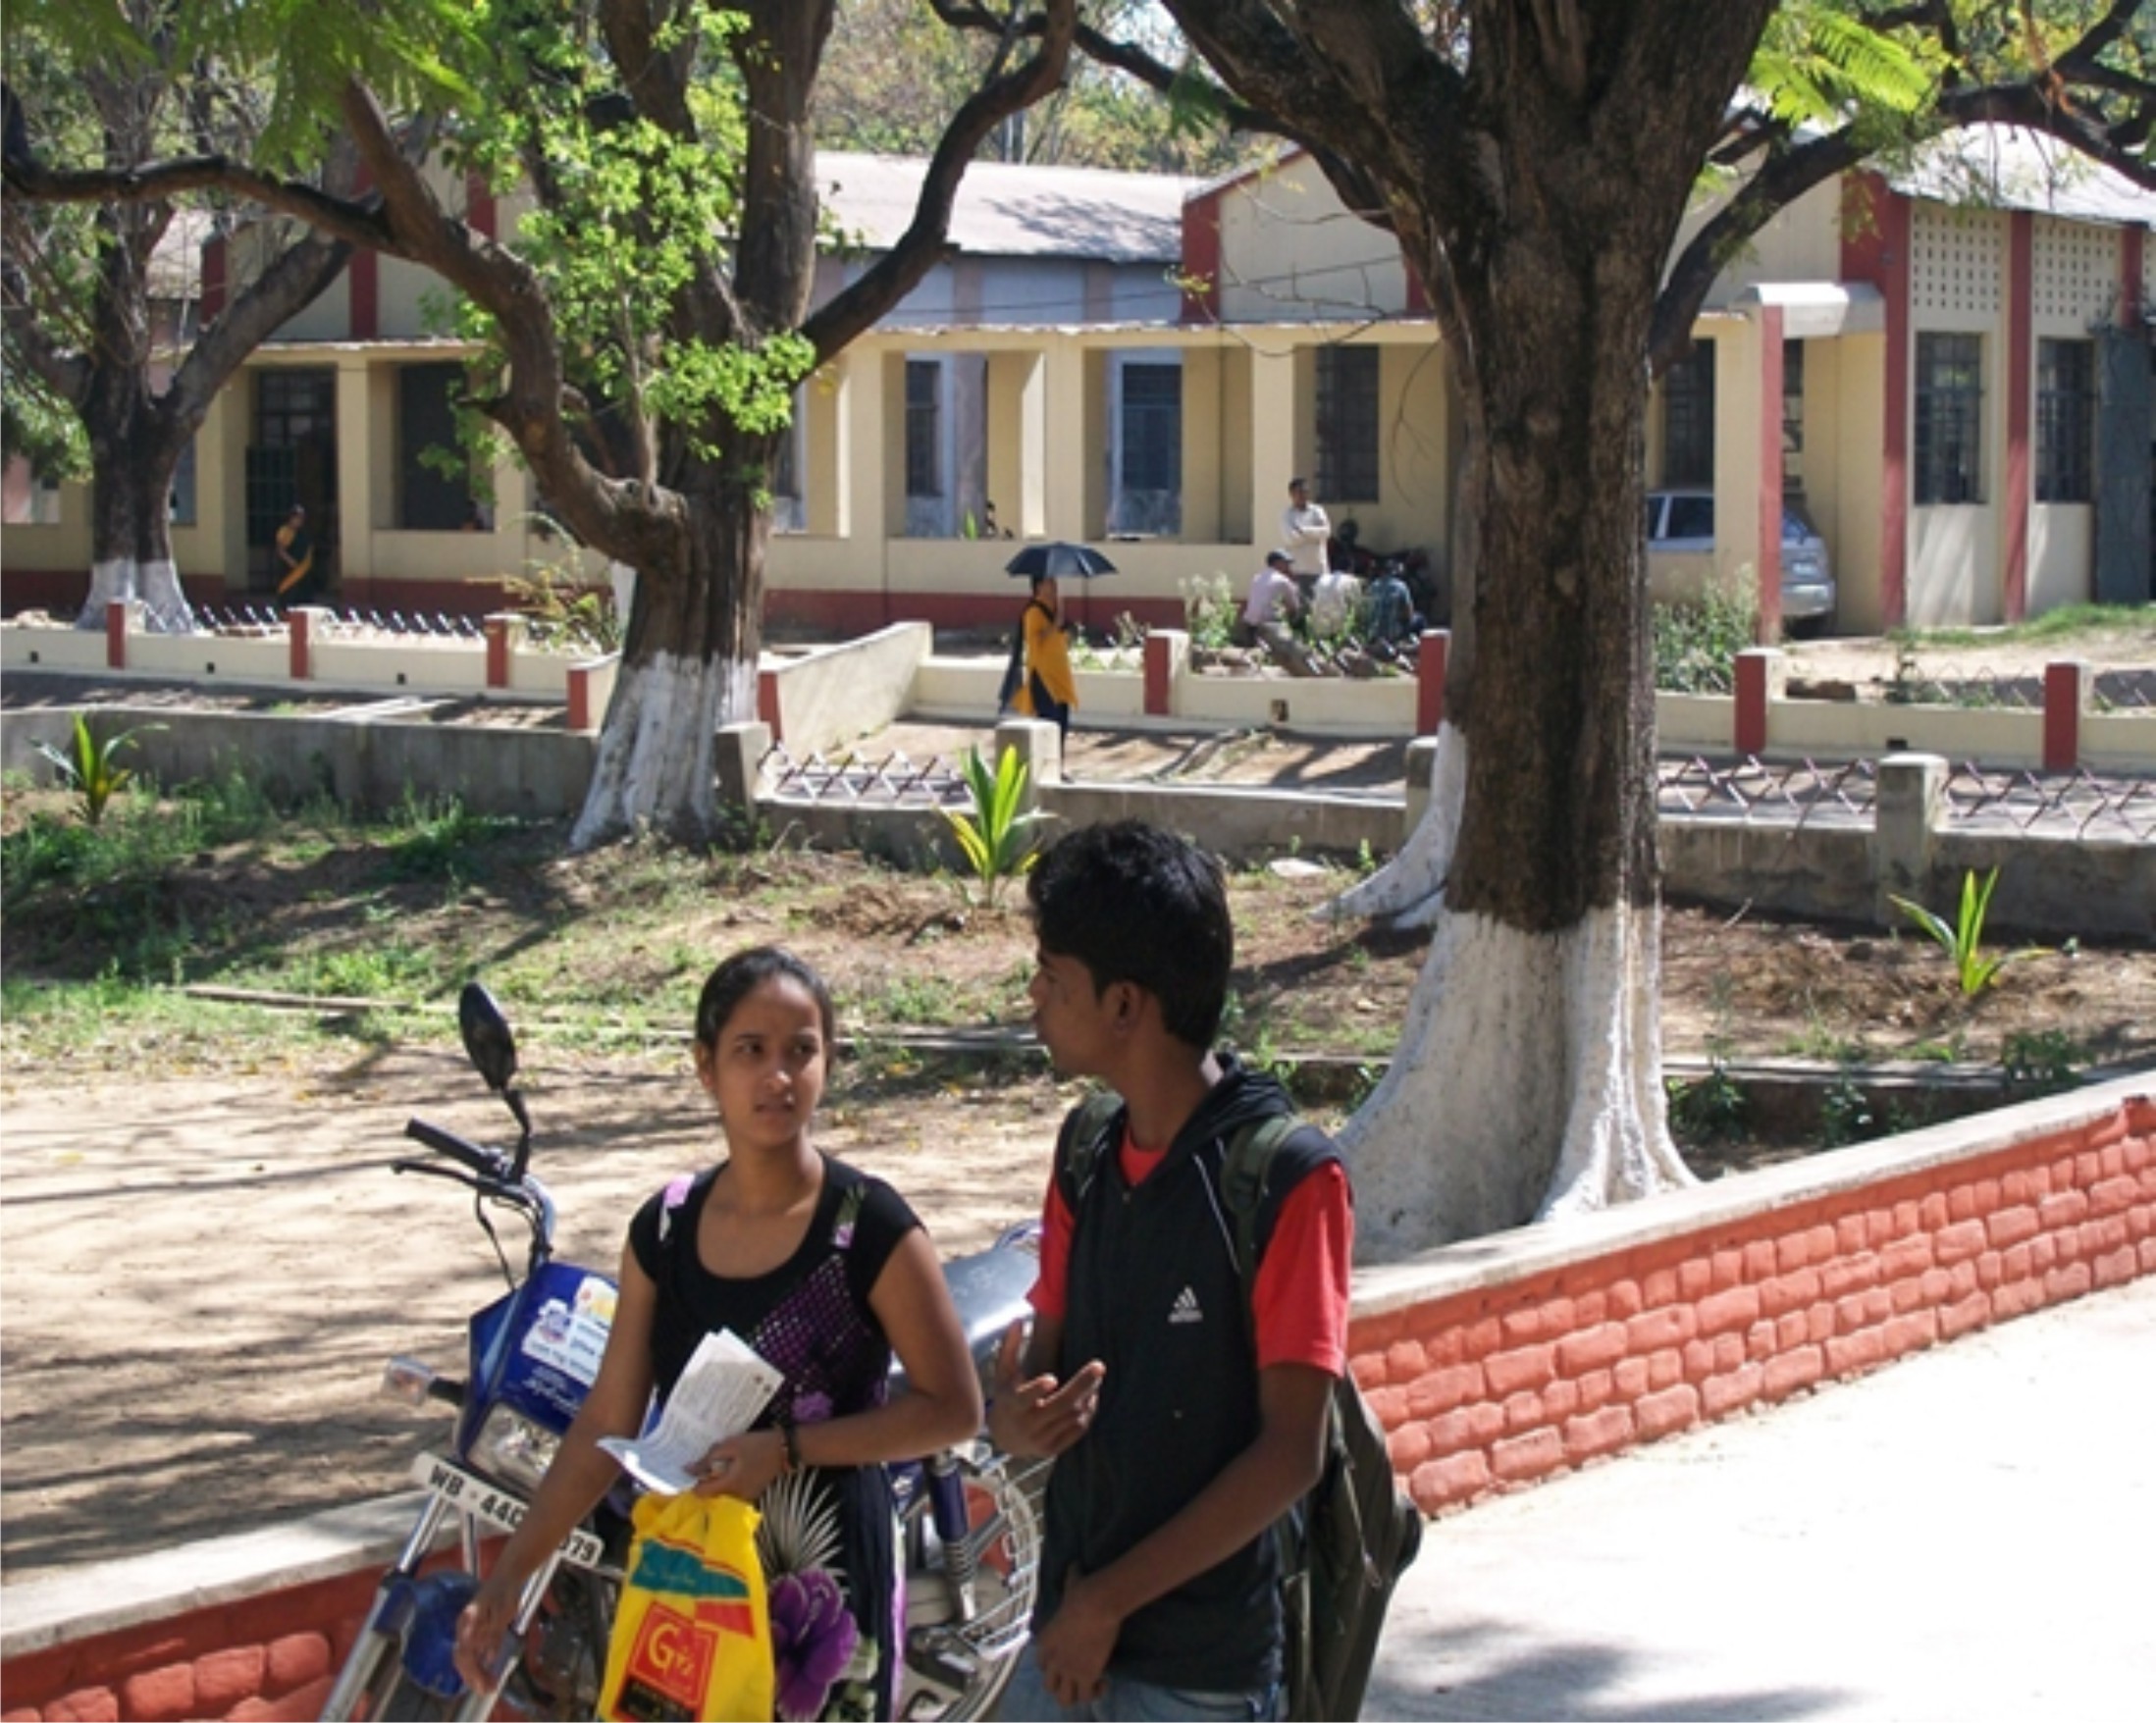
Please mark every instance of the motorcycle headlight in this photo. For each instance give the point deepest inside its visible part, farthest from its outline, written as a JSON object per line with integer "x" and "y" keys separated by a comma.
{"x": 513, "y": 1448}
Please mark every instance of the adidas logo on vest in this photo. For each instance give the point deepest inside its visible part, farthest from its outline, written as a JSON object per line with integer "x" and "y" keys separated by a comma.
{"x": 1186, "y": 1308}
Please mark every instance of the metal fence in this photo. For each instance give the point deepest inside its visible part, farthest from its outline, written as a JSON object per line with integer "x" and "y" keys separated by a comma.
{"x": 2076, "y": 804}
{"x": 893, "y": 781}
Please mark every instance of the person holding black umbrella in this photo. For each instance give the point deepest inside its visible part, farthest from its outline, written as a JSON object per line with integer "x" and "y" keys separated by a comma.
{"x": 1046, "y": 687}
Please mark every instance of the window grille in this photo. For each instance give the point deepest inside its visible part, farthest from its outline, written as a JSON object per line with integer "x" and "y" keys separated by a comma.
{"x": 2065, "y": 421}
{"x": 1950, "y": 397}
{"x": 1688, "y": 418}
{"x": 1347, "y": 425}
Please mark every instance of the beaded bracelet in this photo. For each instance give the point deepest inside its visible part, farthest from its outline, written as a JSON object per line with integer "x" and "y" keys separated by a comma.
{"x": 791, "y": 1437}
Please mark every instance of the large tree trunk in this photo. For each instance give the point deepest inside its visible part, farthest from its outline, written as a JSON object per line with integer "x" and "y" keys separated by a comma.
{"x": 688, "y": 666}
{"x": 1528, "y": 1080}
{"x": 135, "y": 457}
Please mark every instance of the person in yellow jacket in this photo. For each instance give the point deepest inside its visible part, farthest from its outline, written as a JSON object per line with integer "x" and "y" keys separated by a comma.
{"x": 1048, "y": 689}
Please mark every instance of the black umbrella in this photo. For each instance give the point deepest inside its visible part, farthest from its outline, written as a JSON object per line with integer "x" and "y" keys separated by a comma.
{"x": 1057, "y": 561}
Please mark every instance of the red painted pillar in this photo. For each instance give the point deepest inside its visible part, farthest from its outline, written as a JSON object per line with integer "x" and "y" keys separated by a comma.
{"x": 2065, "y": 695}
{"x": 766, "y": 703}
{"x": 2020, "y": 384}
{"x": 1436, "y": 646}
{"x": 116, "y": 634}
{"x": 1757, "y": 681}
{"x": 580, "y": 699}
{"x": 1876, "y": 248}
{"x": 299, "y": 638}
{"x": 497, "y": 650}
{"x": 1160, "y": 671}
{"x": 1769, "y": 550}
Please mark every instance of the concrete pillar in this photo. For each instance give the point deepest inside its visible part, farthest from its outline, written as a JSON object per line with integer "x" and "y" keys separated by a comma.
{"x": 738, "y": 760}
{"x": 1273, "y": 445}
{"x": 582, "y": 716}
{"x": 301, "y": 624}
{"x": 122, "y": 617}
{"x": 2067, "y": 685}
{"x": 1904, "y": 828}
{"x": 1167, "y": 650}
{"x": 1038, "y": 745}
{"x": 1761, "y": 675}
{"x": 1422, "y": 767}
{"x": 768, "y": 704}
{"x": 506, "y": 632}
{"x": 1429, "y": 665}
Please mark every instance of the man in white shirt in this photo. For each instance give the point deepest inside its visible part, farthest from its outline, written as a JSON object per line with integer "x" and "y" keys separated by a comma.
{"x": 1273, "y": 599}
{"x": 1304, "y": 534}
{"x": 1333, "y": 605}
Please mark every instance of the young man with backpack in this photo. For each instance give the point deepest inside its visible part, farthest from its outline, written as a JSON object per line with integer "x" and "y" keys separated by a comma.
{"x": 1187, "y": 1394}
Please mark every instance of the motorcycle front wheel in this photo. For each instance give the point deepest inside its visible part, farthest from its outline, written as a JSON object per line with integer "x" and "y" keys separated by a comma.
{"x": 969, "y": 1606}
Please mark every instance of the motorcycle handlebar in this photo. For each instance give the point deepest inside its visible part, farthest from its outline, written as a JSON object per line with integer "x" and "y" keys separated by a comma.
{"x": 485, "y": 1162}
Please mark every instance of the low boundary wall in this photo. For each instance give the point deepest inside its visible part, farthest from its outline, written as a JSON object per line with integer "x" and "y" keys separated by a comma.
{"x": 1493, "y": 1364}
{"x": 1500, "y": 1362}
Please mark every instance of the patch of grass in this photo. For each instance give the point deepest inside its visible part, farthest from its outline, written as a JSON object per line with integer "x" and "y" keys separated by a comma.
{"x": 117, "y": 1025}
{"x": 2067, "y": 622}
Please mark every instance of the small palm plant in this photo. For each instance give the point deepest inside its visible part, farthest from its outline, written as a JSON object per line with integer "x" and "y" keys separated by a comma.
{"x": 996, "y": 835}
{"x": 90, "y": 767}
{"x": 1962, "y": 939}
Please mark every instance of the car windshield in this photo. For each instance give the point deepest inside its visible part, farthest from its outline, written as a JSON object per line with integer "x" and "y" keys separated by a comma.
{"x": 1794, "y": 528}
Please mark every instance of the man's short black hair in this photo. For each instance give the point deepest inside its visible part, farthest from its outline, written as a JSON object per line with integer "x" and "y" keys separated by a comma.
{"x": 1137, "y": 904}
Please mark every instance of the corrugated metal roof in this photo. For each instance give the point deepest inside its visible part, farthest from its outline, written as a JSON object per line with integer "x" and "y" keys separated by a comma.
{"x": 2004, "y": 167}
{"x": 1009, "y": 210}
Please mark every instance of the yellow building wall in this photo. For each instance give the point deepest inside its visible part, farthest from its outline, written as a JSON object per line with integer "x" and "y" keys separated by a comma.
{"x": 1291, "y": 251}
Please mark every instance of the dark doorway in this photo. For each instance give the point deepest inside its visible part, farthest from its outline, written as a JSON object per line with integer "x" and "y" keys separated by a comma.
{"x": 292, "y": 459}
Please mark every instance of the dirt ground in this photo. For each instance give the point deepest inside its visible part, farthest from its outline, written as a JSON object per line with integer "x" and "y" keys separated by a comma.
{"x": 202, "y": 1268}
{"x": 202, "y": 1275}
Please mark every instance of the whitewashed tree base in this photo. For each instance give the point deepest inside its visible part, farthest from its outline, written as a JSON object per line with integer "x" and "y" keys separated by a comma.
{"x": 656, "y": 750}
{"x": 1408, "y": 891}
{"x": 165, "y": 608}
{"x": 1528, "y": 1077}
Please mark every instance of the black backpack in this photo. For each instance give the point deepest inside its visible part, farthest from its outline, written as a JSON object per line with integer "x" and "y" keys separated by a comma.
{"x": 1345, "y": 1548}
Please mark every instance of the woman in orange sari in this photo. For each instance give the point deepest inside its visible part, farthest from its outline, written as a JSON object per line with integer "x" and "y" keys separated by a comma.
{"x": 1048, "y": 689}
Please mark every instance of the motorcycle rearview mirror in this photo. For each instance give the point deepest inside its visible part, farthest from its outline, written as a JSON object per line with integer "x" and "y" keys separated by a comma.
{"x": 487, "y": 1041}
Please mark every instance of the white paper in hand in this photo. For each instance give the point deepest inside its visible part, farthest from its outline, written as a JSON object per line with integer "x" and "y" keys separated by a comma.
{"x": 719, "y": 1394}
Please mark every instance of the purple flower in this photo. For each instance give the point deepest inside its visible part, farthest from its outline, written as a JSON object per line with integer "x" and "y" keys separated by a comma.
{"x": 813, "y": 1640}
{"x": 812, "y": 1408}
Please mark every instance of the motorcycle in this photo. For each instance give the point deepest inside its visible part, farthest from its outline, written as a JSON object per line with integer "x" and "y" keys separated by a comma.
{"x": 968, "y": 1524}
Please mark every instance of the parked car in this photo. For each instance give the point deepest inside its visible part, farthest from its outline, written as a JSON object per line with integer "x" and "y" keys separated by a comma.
{"x": 1681, "y": 523}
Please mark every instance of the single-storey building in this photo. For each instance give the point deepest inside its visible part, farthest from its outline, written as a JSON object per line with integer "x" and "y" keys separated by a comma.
{"x": 1947, "y": 367}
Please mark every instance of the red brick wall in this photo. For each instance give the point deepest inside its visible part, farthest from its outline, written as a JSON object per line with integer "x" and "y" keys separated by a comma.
{"x": 268, "y": 1658}
{"x": 1499, "y": 1386}
{"x": 1483, "y": 1390}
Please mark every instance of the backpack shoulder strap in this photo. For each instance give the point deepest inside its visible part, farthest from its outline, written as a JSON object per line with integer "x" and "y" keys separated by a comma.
{"x": 1245, "y": 1178}
{"x": 1082, "y": 1147}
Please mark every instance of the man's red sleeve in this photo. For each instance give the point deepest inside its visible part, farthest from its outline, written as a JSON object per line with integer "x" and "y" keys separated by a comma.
{"x": 1052, "y": 1285}
{"x": 1300, "y": 1300}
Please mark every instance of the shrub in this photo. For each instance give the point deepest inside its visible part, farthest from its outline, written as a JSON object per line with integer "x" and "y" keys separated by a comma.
{"x": 1696, "y": 645}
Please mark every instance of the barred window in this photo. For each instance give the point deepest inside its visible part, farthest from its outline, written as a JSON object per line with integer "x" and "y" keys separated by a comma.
{"x": 1688, "y": 418}
{"x": 923, "y": 427}
{"x": 1347, "y": 425}
{"x": 1950, "y": 400}
{"x": 2065, "y": 421}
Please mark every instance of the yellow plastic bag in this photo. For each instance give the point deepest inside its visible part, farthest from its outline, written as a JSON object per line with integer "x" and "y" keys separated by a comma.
{"x": 692, "y": 1637}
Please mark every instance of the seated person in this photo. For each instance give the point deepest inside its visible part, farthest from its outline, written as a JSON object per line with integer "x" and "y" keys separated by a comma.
{"x": 1333, "y": 605}
{"x": 1273, "y": 599}
{"x": 1391, "y": 617}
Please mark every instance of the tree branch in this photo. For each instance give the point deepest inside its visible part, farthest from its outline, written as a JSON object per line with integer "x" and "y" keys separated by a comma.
{"x": 926, "y": 241}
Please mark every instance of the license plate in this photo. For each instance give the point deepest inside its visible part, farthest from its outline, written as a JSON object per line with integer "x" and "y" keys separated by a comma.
{"x": 503, "y": 1509}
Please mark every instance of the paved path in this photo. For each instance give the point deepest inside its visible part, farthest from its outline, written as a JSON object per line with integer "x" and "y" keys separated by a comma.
{"x": 1966, "y": 1536}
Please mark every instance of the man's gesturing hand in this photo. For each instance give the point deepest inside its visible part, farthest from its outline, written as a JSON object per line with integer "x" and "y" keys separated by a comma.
{"x": 1040, "y": 1417}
